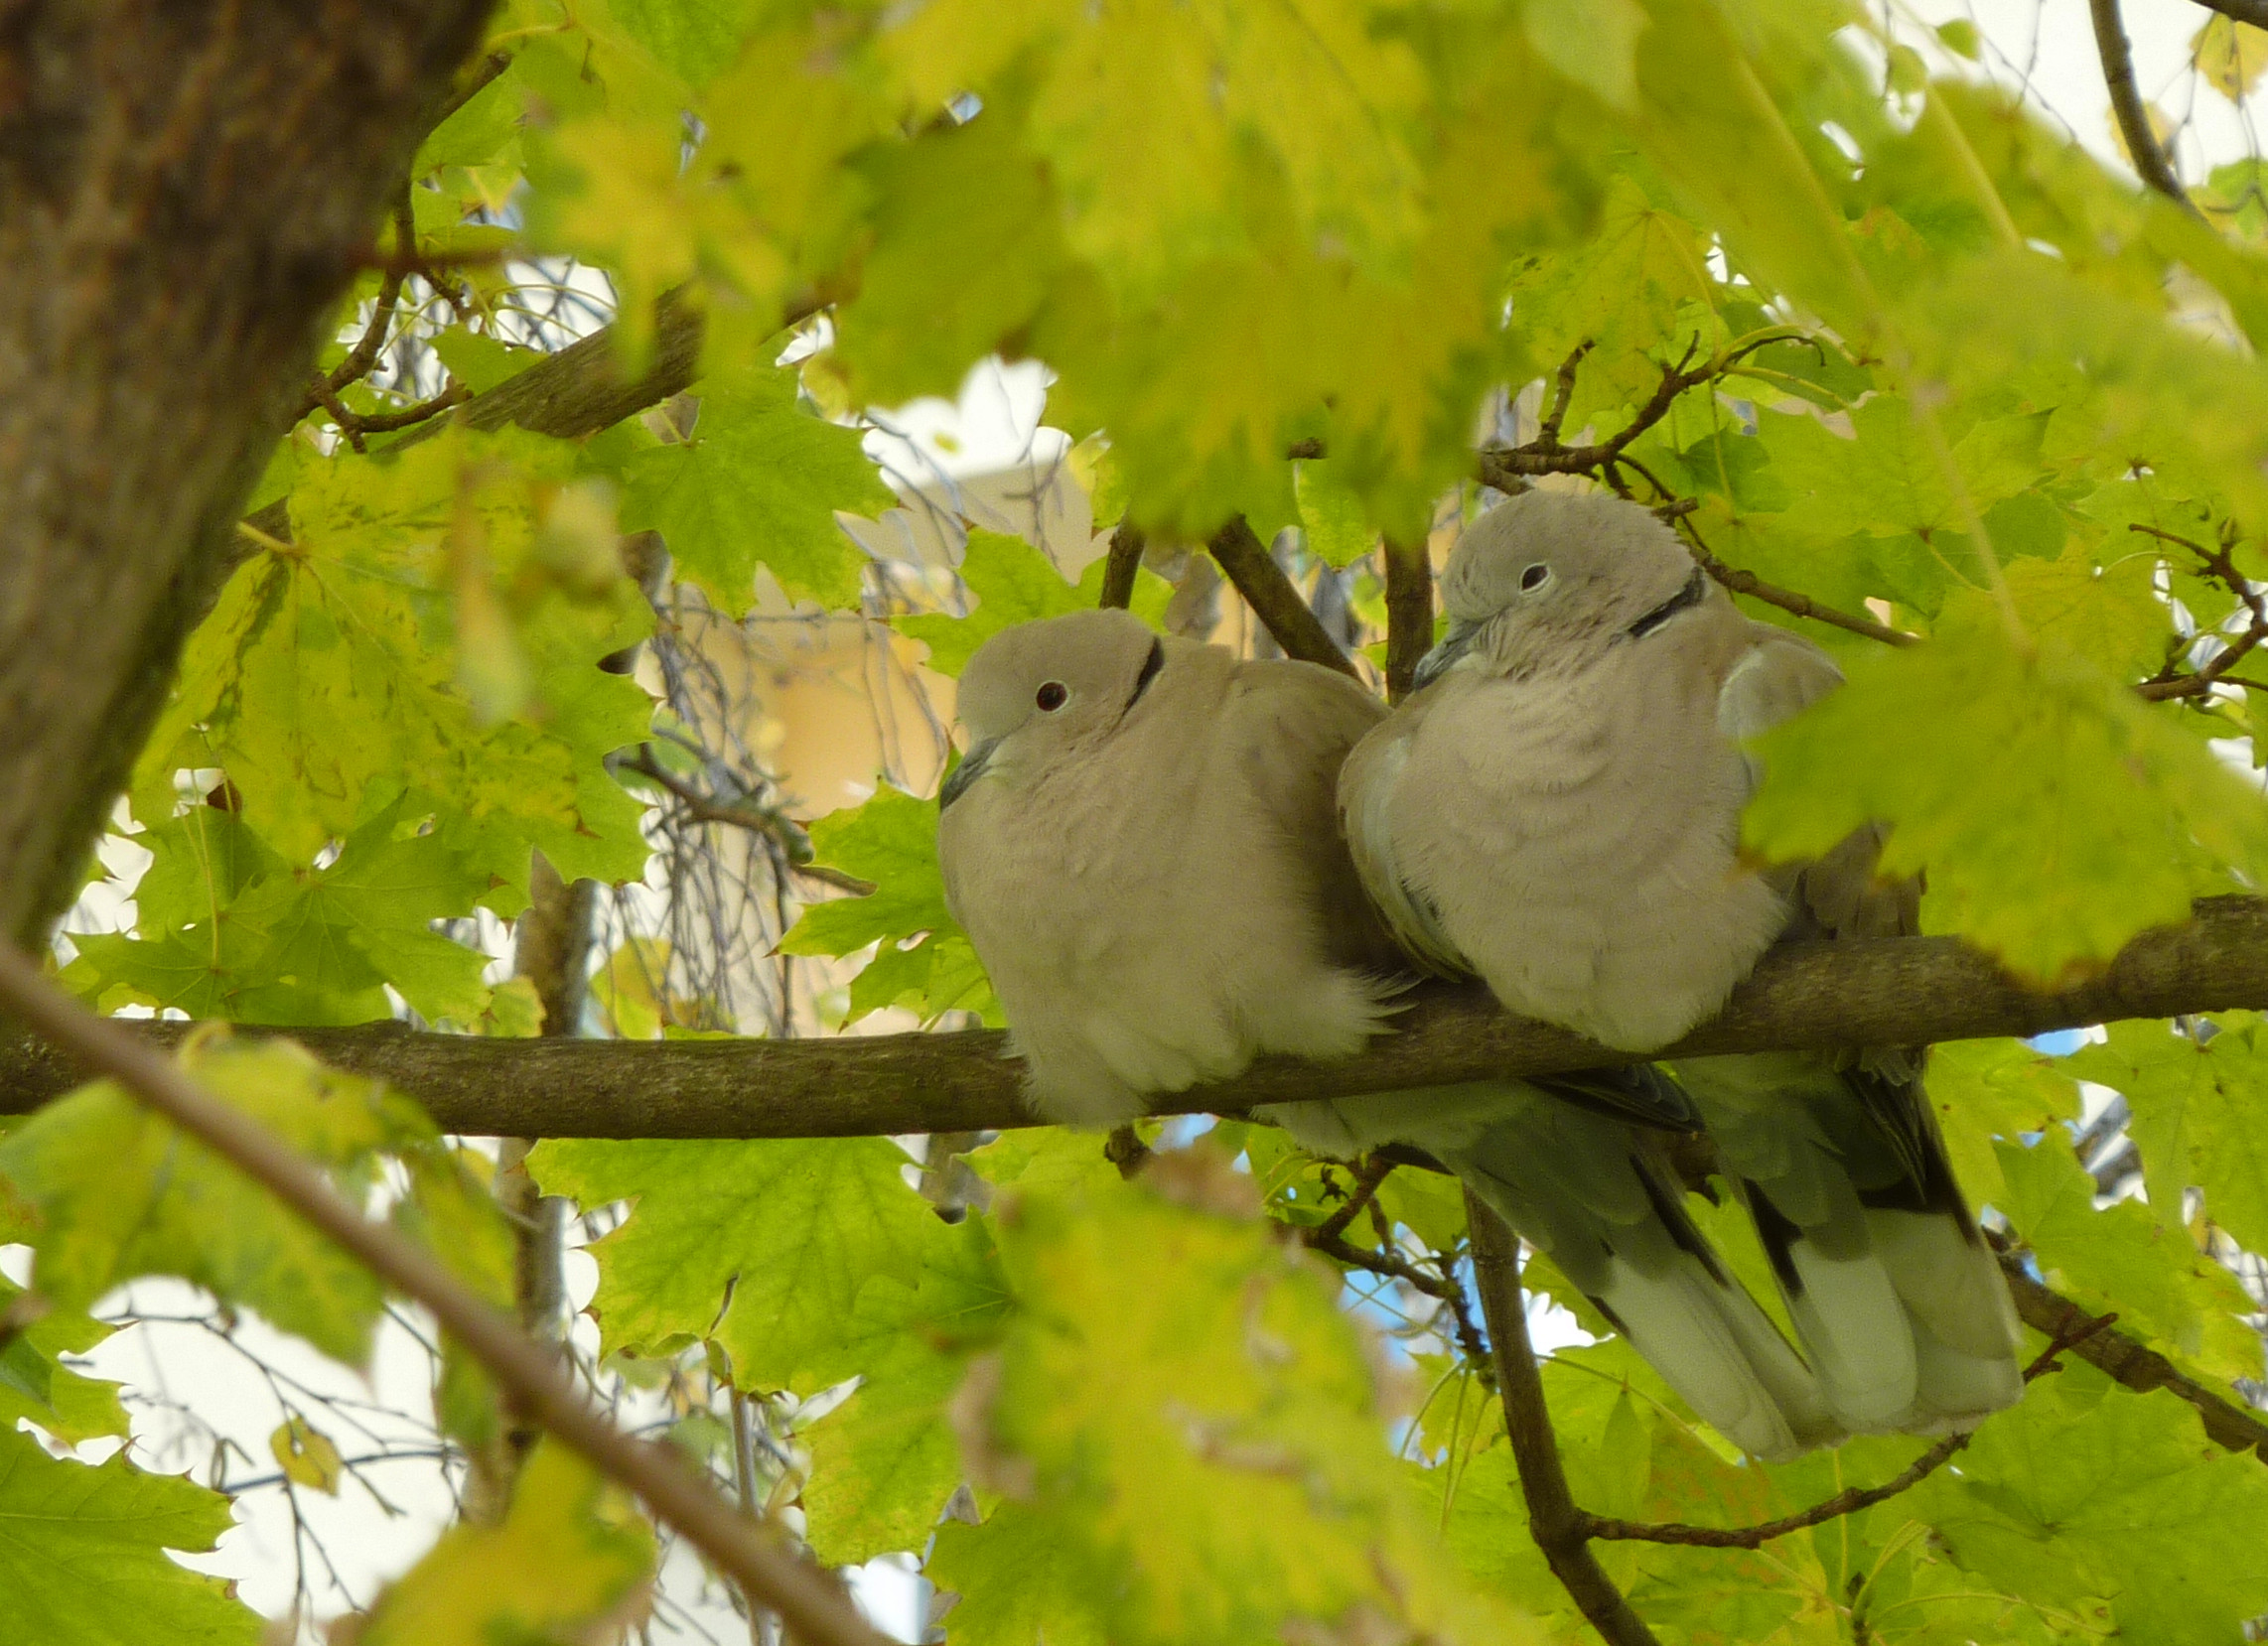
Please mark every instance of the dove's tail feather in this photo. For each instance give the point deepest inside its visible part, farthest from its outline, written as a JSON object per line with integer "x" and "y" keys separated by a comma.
{"x": 1897, "y": 1298}
{"x": 1909, "y": 1325}
{"x": 1662, "y": 1285}
{"x": 1584, "y": 1188}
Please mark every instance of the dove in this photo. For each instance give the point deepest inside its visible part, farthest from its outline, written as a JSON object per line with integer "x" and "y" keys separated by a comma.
{"x": 1557, "y": 811}
{"x": 1142, "y": 846}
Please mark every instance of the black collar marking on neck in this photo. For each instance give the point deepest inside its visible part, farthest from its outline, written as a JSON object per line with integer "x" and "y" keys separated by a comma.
{"x": 1690, "y": 596}
{"x": 1150, "y": 670}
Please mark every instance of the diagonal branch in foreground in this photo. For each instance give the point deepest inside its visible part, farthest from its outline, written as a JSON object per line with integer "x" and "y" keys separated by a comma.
{"x": 1846, "y": 994}
{"x": 749, "y": 1551}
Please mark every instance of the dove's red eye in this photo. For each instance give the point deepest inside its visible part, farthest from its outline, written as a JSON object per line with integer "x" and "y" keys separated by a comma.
{"x": 1052, "y": 696}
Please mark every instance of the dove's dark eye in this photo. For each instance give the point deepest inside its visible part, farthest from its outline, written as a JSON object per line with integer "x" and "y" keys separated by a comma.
{"x": 1051, "y": 696}
{"x": 1535, "y": 578}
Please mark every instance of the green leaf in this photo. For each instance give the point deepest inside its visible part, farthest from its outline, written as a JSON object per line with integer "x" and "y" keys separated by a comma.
{"x": 567, "y": 1554}
{"x": 757, "y": 483}
{"x": 330, "y": 676}
{"x": 2197, "y": 1115}
{"x": 968, "y": 243}
{"x": 2086, "y": 1490}
{"x": 230, "y": 932}
{"x": 885, "y": 1462}
{"x": 1166, "y": 1352}
{"x": 2123, "y": 1257}
{"x": 1024, "y": 1578}
{"x": 2057, "y": 815}
{"x": 35, "y": 1382}
{"x": 1010, "y": 582}
{"x": 892, "y": 841}
{"x": 1332, "y": 518}
{"x": 121, "y": 1194}
{"x": 792, "y": 1230}
{"x": 1988, "y": 1092}
{"x": 306, "y": 1455}
{"x": 83, "y": 1562}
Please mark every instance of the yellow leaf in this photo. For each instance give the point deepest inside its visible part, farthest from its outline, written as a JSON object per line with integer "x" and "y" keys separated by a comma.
{"x": 565, "y": 1557}
{"x": 2231, "y": 55}
{"x": 306, "y": 1455}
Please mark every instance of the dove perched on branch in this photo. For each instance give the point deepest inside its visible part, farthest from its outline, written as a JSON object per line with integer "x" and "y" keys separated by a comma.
{"x": 1141, "y": 845}
{"x": 1558, "y": 810}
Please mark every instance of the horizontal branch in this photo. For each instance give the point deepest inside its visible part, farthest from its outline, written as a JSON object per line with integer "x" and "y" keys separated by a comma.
{"x": 1893, "y": 991}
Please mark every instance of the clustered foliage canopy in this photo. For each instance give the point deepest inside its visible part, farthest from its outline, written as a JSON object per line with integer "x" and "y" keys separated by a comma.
{"x": 1883, "y": 344}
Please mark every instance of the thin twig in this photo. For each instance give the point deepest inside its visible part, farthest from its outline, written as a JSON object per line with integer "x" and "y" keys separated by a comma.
{"x": 1677, "y": 511}
{"x": 1847, "y": 1502}
{"x": 2149, "y": 162}
{"x": 1340, "y": 1249}
{"x": 2221, "y": 564}
{"x": 1559, "y": 1527}
{"x": 1369, "y": 1174}
{"x": 741, "y": 814}
{"x": 1409, "y": 614}
{"x": 1787, "y": 600}
{"x": 1273, "y": 600}
{"x": 1119, "y": 570}
{"x": 753, "y": 1555}
{"x": 1562, "y": 390}
{"x": 2126, "y": 1362}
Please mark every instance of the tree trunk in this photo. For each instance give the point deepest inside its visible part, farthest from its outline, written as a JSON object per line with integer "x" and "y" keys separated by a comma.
{"x": 185, "y": 191}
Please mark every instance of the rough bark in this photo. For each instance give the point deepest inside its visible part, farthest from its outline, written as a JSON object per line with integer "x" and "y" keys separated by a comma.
{"x": 1897, "y": 991}
{"x": 185, "y": 191}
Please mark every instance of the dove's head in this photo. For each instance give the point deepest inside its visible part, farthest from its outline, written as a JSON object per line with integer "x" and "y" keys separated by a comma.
{"x": 1549, "y": 579}
{"x": 1032, "y": 695}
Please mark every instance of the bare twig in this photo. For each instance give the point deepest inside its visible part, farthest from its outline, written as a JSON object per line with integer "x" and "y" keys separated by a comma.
{"x": 1846, "y": 1502}
{"x": 2127, "y": 1361}
{"x": 1124, "y": 562}
{"x": 2149, "y": 162}
{"x": 752, "y": 1555}
{"x": 744, "y": 814}
{"x": 1787, "y": 600}
{"x": 1369, "y": 1174}
{"x": 1273, "y": 600}
{"x": 2220, "y": 562}
{"x": 365, "y": 353}
{"x": 1562, "y": 390}
{"x": 1409, "y": 614}
{"x": 1559, "y": 1527}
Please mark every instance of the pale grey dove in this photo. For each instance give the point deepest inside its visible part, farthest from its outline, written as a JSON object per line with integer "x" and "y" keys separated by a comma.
{"x": 1140, "y": 843}
{"x": 1558, "y": 810}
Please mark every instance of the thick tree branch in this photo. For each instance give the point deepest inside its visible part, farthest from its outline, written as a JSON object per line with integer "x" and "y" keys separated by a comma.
{"x": 185, "y": 193}
{"x": 751, "y": 1554}
{"x": 2149, "y": 162}
{"x": 1273, "y": 600}
{"x": 1409, "y": 614}
{"x": 1844, "y": 995}
{"x": 1560, "y": 1529}
{"x": 2254, "y": 12}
